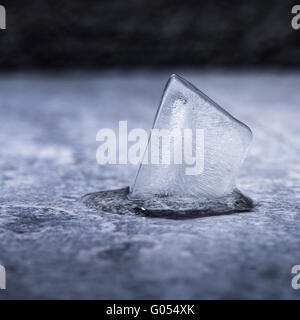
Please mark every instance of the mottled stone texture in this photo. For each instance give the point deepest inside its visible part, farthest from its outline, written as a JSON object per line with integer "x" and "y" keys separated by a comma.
{"x": 101, "y": 33}
{"x": 54, "y": 247}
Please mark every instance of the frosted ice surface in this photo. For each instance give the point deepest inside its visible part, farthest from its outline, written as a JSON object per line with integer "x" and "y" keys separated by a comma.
{"x": 225, "y": 145}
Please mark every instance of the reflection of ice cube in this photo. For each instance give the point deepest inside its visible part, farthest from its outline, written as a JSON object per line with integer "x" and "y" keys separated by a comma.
{"x": 226, "y": 141}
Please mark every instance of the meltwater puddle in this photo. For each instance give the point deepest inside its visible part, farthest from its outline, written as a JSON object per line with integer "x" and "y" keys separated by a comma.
{"x": 119, "y": 201}
{"x": 179, "y": 190}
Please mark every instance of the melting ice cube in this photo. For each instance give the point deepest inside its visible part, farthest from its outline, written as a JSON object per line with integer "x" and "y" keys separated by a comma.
{"x": 223, "y": 147}
{"x": 184, "y": 189}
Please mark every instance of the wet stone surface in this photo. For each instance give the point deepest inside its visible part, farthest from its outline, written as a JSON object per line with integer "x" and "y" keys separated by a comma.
{"x": 54, "y": 246}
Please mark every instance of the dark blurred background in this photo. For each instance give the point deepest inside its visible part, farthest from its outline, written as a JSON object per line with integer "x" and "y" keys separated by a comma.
{"x": 134, "y": 33}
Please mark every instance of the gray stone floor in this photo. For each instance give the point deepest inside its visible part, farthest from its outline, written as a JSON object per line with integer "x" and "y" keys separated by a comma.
{"x": 54, "y": 247}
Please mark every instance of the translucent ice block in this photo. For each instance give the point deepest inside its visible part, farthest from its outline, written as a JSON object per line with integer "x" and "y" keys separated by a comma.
{"x": 221, "y": 148}
{"x": 167, "y": 187}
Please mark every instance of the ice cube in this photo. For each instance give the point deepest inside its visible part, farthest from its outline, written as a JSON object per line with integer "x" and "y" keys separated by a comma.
{"x": 167, "y": 187}
{"x": 218, "y": 153}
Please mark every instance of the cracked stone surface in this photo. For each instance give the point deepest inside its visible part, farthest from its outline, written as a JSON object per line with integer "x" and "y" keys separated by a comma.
{"x": 54, "y": 247}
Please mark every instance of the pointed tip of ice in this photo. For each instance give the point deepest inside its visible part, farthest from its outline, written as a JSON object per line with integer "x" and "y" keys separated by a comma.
{"x": 176, "y": 77}
{"x": 175, "y": 80}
